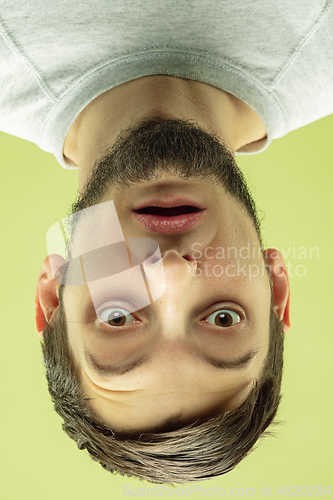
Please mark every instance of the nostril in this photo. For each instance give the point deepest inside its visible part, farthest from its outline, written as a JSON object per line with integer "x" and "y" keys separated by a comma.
{"x": 189, "y": 257}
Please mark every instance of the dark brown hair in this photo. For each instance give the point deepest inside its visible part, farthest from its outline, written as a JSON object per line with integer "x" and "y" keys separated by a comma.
{"x": 202, "y": 450}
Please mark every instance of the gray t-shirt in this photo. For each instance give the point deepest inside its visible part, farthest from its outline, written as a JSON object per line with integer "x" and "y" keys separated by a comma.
{"x": 277, "y": 56}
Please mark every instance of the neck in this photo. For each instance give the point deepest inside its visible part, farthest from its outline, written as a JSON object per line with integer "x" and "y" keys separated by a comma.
{"x": 99, "y": 124}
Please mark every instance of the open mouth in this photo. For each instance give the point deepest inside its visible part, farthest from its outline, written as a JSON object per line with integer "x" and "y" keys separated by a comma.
{"x": 169, "y": 211}
{"x": 168, "y": 220}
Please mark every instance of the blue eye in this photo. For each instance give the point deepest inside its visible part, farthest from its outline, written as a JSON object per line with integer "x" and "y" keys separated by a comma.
{"x": 223, "y": 318}
{"x": 115, "y": 316}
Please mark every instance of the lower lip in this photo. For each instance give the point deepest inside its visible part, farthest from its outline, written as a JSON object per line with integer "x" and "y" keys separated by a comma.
{"x": 169, "y": 225}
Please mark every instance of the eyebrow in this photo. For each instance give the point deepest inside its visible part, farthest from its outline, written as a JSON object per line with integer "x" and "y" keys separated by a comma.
{"x": 127, "y": 367}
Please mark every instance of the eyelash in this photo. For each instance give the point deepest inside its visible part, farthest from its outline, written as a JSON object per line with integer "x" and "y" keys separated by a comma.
{"x": 114, "y": 305}
{"x": 229, "y": 310}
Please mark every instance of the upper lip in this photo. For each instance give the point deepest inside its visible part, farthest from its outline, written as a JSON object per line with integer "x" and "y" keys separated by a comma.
{"x": 169, "y": 202}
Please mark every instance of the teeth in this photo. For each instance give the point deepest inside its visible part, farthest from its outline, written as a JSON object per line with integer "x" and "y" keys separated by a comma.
{"x": 168, "y": 211}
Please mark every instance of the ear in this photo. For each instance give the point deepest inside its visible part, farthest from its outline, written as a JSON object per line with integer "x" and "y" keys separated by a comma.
{"x": 46, "y": 298}
{"x": 281, "y": 288}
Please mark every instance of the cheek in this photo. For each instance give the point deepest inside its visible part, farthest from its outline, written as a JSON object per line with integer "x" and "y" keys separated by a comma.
{"x": 73, "y": 299}
{"x": 238, "y": 398}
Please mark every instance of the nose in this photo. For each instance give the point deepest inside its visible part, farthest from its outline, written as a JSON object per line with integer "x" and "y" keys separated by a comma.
{"x": 179, "y": 269}
{"x": 172, "y": 308}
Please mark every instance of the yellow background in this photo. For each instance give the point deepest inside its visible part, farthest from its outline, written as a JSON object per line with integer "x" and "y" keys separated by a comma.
{"x": 292, "y": 184}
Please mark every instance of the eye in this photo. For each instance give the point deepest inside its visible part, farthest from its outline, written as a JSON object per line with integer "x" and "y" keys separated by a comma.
{"x": 223, "y": 318}
{"x": 116, "y": 316}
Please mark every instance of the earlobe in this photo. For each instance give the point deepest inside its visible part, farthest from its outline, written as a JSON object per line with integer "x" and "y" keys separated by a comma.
{"x": 47, "y": 292}
{"x": 281, "y": 288}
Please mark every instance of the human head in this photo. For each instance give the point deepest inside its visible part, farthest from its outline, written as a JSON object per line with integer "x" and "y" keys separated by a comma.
{"x": 189, "y": 156}
{"x": 173, "y": 454}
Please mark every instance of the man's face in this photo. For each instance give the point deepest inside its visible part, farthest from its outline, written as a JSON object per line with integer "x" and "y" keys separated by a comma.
{"x": 197, "y": 350}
